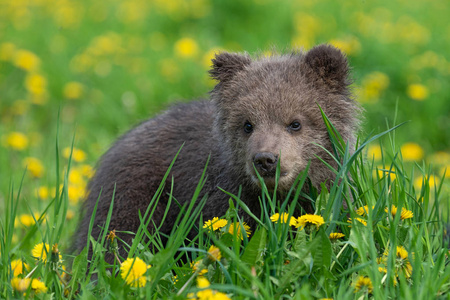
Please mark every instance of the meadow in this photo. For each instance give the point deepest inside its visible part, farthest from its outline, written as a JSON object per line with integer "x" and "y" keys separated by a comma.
{"x": 75, "y": 75}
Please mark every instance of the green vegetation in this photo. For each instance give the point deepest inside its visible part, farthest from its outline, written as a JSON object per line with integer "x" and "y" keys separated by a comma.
{"x": 74, "y": 75}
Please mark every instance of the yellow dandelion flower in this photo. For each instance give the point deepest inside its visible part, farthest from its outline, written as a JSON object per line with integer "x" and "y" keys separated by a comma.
{"x": 364, "y": 210}
{"x": 36, "y": 84}
{"x": 73, "y": 90}
{"x": 405, "y": 214}
{"x": 309, "y": 220}
{"x": 362, "y": 221}
{"x": 26, "y": 220}
{"x": 363, "y": 284}
{"x": 382, "y": 270}
{"x": 202, "y": 282}
{"x": 412, "y": 152}
{"x": 76, "y": 193}
{"x": 336, "y": 235}
{"x": 19, "y": 267}
{"x": 76, "y": 177}
{"x": 41, "y": 252}
{"x": 19, "y": 284}
{"x": 284, "y": 218}
{"x": 132, "y": 271}
{"x": 77, "y": 154}
{"x": 186, "y": 47}
{"x": 432, "y": 181}
{"x": 402, "y": 263}
{"x": 26, "y": 60}
{"x": 215, "y": 223}
{"x": 235, "y": 229}
{"x": 42, "y": 192}
{"x": 38, "y": 286}
{"x": 17, "y": 141}
{"x": 195, "y": 265}
{"x": 417, "y": 92}
{"x": 34, "y": 166}
{"x": 214, "y": 253}
{"x": 374, "y": 152}
{"x": 87, "y": 171}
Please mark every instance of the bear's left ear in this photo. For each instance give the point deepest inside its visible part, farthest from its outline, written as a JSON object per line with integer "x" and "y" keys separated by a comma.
{"x": 329, "y": 65}
{"x": 226, "y": 65}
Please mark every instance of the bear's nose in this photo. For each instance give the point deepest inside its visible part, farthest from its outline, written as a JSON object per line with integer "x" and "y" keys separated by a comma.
{"x": 266, "y": 163}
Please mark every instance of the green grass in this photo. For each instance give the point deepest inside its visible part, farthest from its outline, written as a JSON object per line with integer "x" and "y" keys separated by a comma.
{"x": 77, "y": 74}
{"x": 277, "y": 260}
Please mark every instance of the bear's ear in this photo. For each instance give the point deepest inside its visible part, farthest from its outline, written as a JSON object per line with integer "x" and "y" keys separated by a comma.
{"x": 329, "y": 65}
{"x": 226, "y": 65}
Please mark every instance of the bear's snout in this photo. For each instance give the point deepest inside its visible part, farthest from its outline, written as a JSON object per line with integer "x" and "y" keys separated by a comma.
{"x": 266, "y": 163}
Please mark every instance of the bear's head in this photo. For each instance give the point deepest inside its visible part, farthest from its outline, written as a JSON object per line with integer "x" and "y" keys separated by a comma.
{"x": 268, "y": 112}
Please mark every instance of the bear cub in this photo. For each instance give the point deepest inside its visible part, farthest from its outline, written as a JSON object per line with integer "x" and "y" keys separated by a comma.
{"x": 262, "y": 112}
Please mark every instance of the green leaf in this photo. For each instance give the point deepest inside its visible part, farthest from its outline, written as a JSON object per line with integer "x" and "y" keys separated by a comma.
{"x": 79, "y": 269}
{"x": 255, "y": 248}
{"x": 322, "y": 254}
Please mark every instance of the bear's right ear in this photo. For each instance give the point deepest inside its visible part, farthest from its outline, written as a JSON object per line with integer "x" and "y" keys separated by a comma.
{"x": 226, "y": 65}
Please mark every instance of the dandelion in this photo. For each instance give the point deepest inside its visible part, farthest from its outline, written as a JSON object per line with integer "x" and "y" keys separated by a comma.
{"x": 19, "y": 267}
{"x": 235, "y": 229}
{"x": 417, "y": 92}
{"x": 19, "y": 284}
{"x": 73, "y": 90}
{"x": 374, "y": 152}
{"x": 284, "y": 218}
{"x": 362, "y": 221}
{"x": 215, "y": 223}
{"x": 26, "y": 60}
{"x": 42, "y": 192}
{"x": 41, "y": 251}
{"x": 402, "y": 263}
{"x": 186, "y": 47}
{"x": 38, "y": 286}
{"x": 208, "y": 294}
{"x": 420, "y": 181}
{"x": 405, "y": 214}
{"x": 26, "y": 220}
{"x": 336, "y": 235}
{"x": 364, "y": 210}
{"x": 132, "y": 271}
{"x": 77, "y": 154}
{"x": 411, "y": 152}
{"x": 17, "y": 141}
{"x": 195, "y": 266}
{"x": 363, "y": 284}
{"x": 214, "y": 253}
{"x": 36, "y": 84}
{"x": 309, "y": 220}
{"x": 34, "y": 166}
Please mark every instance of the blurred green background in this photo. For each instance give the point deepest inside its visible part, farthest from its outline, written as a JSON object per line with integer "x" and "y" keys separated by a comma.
{"x": 104, "y": 66}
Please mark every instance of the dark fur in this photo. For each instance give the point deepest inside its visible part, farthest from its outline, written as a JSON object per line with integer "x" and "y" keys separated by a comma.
{"x": 270, "y": 93}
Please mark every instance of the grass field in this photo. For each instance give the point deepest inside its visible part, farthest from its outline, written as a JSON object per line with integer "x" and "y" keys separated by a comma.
{"x": 74, "y": 75}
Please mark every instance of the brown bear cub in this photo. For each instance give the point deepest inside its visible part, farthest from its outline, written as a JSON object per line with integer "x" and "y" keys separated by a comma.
{"x": 262, "y": 112}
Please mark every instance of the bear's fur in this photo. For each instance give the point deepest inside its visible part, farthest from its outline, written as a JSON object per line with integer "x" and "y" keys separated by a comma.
{"x": 260, "y": 109}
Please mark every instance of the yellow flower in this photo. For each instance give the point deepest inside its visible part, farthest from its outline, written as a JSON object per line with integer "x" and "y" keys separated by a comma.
{"x": 17, "y": 140}
{"x": 411, "y": 152}
{"x": 432, "y": 181}
{"x": 374, "y": 152}
{"x": 308, "y": 219}
{"x": 364, "y": 284}
{"x": 19, "y": 267}
{"x": 26, "y": 60}
{"x": 208, "y": 294}
{"x": 87, "y": 171}
{"x": 402, "y": 263}
{"x": 76, "y": 193}
{"x": 186, "y": 47}
{"x": 34, "y": 166}
{"x": 405, "y": 214}
{"x": 133, "y": 270}
{"x": 19, "y": 284}
{"x": 235, "y": 229}
{"x": 385, "y": 172}
{"x": 362, "y": 221}
{"x": 42, "y": 192}
{"x": 38, "y": 286}
{"x": 41, "y": 252}
{"x": 36, "y": 84}
{"x": 214, "y": 253}
{"x": 283, "y": 218}
{"x": 417, "y": 92}
{"x": 215, "y": 223}
{"x": 73, "y": 90}
{"x": 336, "y": 235}
{"x": 363, "y": 210}
{"x": 77, "y": 154}
{"x": 196, "y": 265}
{"x": 26, "y": 220}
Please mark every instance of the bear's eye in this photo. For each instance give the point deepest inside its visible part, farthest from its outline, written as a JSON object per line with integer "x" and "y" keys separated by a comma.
{"x": 295, "y": 126}
{"x": 248, "y": 127}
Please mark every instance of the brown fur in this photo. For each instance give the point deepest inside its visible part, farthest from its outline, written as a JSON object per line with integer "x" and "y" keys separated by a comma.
{"x": 275, "y": 95}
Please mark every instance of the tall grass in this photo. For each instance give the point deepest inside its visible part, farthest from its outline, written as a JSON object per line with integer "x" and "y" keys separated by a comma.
{"x": 381, "y": 254}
